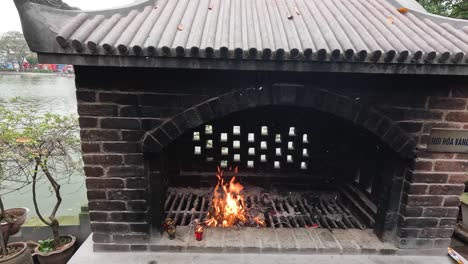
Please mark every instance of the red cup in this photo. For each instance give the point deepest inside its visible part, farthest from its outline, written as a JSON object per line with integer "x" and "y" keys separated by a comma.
{"x": 199, "y": 236}
{"x": 199, "y": 233}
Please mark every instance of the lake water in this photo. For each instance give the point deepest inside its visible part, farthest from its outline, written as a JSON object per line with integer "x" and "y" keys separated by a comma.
{"x": 44, "y": 93}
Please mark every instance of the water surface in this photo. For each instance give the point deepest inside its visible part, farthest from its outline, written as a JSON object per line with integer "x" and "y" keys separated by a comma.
{"x": 43, "y": 93}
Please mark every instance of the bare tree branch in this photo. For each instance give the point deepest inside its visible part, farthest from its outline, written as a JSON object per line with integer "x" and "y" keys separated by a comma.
{"x": 36, "y": 206}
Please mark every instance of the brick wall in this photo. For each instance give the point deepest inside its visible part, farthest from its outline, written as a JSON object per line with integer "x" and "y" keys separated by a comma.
{"x": 114, "y": 115}
{"x": 117, "y": 106}
{"x": 432, "y": 190}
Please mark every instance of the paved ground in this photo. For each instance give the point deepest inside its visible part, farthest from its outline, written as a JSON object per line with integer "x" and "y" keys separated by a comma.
{"x": 85, "y": 255}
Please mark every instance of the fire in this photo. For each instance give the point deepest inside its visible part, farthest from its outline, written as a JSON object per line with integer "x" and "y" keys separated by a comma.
{"x": 228, "y": 207}
{"x": 199, "y": 229}
{"x": 259, "y": 221}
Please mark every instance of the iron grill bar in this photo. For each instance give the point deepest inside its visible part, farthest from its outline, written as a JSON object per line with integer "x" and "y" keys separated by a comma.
{"x": 328, "y": 211}
{"x": 179, "y": 207}
{"x": 308, "y": 217}
{"x": 187, "y": 207}
{"x": 357, "y": 222}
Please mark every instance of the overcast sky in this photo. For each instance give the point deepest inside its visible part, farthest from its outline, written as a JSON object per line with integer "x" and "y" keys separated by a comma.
{"x": 9, "y": 18}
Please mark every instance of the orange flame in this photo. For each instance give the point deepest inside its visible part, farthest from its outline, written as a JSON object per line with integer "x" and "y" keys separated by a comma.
{"x": 228, "y": 207}
{"x": 199, "y": 229}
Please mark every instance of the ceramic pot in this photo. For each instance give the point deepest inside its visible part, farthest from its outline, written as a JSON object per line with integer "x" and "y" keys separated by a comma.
{"x": 22, "y": 257}
{"x": 61, "y": 256}
{"x": 15, "y": 227}
{"x": 32, "y": 247}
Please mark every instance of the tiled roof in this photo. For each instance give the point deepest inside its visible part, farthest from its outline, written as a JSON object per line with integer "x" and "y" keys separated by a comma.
{"x": 372, "y": 31}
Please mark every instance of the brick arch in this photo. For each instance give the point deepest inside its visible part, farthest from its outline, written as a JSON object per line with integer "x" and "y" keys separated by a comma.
{"x": 282, "y": 95}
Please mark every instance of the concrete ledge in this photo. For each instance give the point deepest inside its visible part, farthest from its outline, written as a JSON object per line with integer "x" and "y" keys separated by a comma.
{"x": 86, "y": 255}
{"x": 278, "y": 240}
{"x": 270, "y": 241}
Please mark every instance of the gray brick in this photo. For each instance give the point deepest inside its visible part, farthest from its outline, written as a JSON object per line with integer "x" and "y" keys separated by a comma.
{"x": 388, "y": 249}
{"x": 416, "y": 243}
{"x": 268, "y": 239}
{"x": 366, "y": 239}
{"x": 111, "y": 247}
{"x": 314, "y": 235}
{"x": 346, "y": 241}
{"x": 286, "y": 239}
{"x": 251, "y": 241}
{"x": 232, "y": 241}
{"x": 179, "y": 244}
{"x": 305, "y": 243}
{"x": 328, "y": 240}
{"x": 214, "y": 238}
{"x": 285, "y": 93}
{"x": 151, "y": 144}
{"x": 193, "y": 118}
{"x": 138, "y": 247}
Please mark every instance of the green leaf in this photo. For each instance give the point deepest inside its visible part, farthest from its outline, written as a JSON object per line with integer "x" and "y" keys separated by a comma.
{"x": 46, "y": 246}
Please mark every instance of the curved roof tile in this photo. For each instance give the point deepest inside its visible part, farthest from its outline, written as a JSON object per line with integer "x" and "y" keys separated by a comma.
{"x": 305, "y": 30}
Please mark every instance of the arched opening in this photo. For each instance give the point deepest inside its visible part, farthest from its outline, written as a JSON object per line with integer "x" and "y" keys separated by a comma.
{"x": 282, "y": 95}
{"x": 310, "y": 168}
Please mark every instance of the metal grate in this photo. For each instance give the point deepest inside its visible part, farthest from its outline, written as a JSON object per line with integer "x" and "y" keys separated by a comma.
{"x": 323, "y": 209}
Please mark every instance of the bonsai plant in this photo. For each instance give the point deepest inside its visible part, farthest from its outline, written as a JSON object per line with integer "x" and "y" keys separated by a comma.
{"x": 12, "y": 219}
{"x": 46, "y": 148}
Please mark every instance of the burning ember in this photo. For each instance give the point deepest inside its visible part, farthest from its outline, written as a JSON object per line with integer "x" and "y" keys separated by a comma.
{"x": 228, "y": 207}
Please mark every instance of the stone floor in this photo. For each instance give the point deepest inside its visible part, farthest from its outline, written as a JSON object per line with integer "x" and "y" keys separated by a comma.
{"x": 86, "y": 255}
{"x": 269, "y": 240}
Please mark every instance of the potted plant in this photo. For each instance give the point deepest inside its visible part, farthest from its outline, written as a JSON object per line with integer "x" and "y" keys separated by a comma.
{"x": 47, "y": 149}
{"x": 10, "y": 222}
{"x": 11, "y": 219}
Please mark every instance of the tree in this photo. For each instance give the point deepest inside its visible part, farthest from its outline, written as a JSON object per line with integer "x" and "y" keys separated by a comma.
{"x": 448, "y": 8}
{"x": 32, "y": 59}
{"x": 13, "y": 48}
{"x": 5, "y": 164}
{"x": 35, "y": 147}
